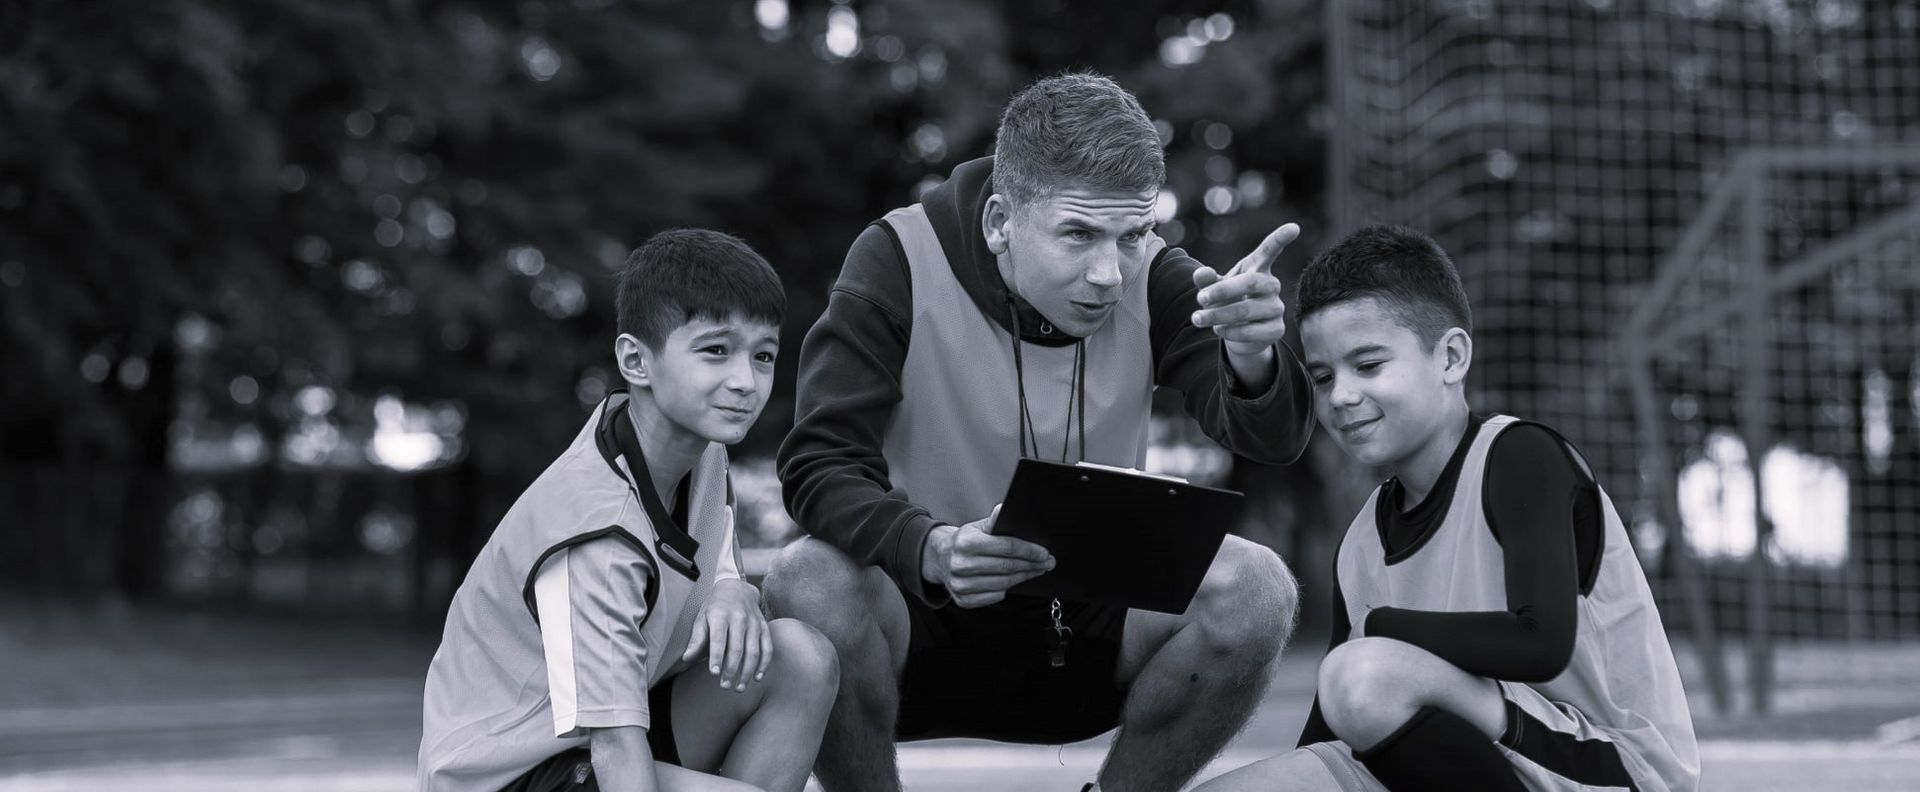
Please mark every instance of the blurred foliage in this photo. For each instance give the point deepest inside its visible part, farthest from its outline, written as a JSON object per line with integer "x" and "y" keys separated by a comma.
{"x": 432, "y": 197}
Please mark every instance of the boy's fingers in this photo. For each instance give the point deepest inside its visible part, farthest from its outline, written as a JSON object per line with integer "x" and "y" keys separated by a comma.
{"x": 766, "y": 652}
{"x": 736, "y": 649}
{"x": 695, "y": 642}
{"x": 750, "y": 657}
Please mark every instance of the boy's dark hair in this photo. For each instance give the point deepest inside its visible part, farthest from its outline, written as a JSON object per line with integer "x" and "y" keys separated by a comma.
{"x": 1403, "y": 268}
{"x": 1076, "y": 129}
{"x": 692, "y": 273}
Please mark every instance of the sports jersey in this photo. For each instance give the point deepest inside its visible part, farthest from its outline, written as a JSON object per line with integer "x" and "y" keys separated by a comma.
{"x": 835, "y": 468}
{"x": 1620, "y": 687}
{"x": 581, "y": 601}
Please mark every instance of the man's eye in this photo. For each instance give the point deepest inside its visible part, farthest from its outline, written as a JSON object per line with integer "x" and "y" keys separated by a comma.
{"x": 1080, "y": 235}
{"x": 765, "y": 357}
{"x": 713, "y": 350}
{"x": 1369, "y": 365}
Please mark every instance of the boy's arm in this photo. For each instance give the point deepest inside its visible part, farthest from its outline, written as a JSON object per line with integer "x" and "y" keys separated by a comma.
{"x": 593, "y": 608}
{"x": 1271, "y": 426}
{"x": 622, "y": 759}
{"x": 1531, "y": 506}
{"x": 832, "y": 474}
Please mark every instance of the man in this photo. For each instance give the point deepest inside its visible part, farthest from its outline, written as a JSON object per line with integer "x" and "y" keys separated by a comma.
{"x": 916, "y": 401}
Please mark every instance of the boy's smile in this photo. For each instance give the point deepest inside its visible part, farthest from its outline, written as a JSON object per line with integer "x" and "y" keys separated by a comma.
{"x": 711, "y": 378}
{"x": 1377, "y": 389}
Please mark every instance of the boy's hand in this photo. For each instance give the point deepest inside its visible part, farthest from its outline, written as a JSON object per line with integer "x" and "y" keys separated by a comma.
{"x": 1244, "y": 308}
{"x": 977, "y": 567}
{"x": 733, "y": 633}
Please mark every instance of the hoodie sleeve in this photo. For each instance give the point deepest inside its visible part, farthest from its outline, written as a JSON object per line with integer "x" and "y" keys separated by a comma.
{"x": 1271, "y": 427}
{"x": 832, "y": 474}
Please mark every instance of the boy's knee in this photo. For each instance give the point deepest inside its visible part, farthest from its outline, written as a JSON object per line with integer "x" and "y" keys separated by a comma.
{"x": 1248, "y": 599}
{"x": 805, "y": 656}
{"x": 1359, "y": 678}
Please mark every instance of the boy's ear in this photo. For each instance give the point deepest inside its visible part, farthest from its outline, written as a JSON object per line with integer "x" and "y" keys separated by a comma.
{"x": 993, "y": 223}
{"x": 634, "y": 360}
{"x": 1457, "y": 347}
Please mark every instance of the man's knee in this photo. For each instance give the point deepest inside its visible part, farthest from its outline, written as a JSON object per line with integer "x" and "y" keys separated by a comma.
{"x": 813, "y": 582}
{"x": 804, "y": 659}
{"x": 1248, "y": 598}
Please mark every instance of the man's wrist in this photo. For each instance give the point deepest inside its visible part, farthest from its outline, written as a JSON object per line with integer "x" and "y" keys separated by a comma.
{"x": 1254, "y": 370}
{"x": 934, "y": 553}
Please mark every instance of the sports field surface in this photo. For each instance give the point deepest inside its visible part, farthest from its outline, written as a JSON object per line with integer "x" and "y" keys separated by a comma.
{"x": 101, "y": 697}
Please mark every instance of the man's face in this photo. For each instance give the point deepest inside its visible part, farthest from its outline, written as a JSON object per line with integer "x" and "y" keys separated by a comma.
{"x": 711, "y": 378}
{"x": 1376, "y": 388}
{"x": 1071, "y": 254}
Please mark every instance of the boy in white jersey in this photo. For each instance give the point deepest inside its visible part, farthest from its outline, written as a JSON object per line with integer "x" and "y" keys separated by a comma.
{"x": 563, "y": 658}
{"x": 1493, "y": 629}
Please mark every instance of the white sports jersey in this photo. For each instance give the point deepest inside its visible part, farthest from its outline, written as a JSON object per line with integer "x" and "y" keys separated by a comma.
{"x": 1622, "y": 678}
{"x": 569, "y": 615}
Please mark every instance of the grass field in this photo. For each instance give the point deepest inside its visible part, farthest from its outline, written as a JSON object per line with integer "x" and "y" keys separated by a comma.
{"x": 154, "y": 699}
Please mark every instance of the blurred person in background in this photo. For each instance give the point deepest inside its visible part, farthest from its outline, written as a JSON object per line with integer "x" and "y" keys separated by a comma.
{"x": 1026, "y": 309}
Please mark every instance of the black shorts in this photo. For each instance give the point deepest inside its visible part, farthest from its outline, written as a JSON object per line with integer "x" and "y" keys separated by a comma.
{"x": 984, "y": 672}
{"x": 572, "y": 770}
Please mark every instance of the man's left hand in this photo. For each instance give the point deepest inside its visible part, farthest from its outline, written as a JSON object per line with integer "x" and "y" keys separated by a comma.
{"x": 1244, "y": 307}
{"x": 732, "y": 623}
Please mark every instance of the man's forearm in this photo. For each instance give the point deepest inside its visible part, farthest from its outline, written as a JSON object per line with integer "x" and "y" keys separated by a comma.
{"x": 1253, "y": 370}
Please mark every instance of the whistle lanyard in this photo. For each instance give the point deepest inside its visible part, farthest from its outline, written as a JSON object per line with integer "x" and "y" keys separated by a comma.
{"x": 1059, "y": 634}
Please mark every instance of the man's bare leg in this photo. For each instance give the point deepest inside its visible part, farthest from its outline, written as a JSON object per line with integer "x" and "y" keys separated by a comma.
{"x": 1193, "y": 680}
{"x": 864, "y": 615}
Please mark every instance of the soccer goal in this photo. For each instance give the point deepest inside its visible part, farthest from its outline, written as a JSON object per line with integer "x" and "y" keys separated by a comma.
{"x": 1691, "y": 233}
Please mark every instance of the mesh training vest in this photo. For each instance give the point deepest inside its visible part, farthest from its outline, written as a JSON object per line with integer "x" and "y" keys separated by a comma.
{"x": 955, "y": 436}
{"x": 1622, "y": 676}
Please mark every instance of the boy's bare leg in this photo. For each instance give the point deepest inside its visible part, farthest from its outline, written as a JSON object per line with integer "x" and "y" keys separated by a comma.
{"x": 679, "y": 779}
{"x": 767, "y": 734}
{"x": 1297, "y": 770}
{"x": 1370, "y": 687}
{"x": 864, "y": 615}
{"x": 1194, "y": 679}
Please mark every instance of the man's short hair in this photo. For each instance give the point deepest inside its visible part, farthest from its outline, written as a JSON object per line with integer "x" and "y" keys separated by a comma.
{"x": 1402, "y": 268}
{"x": 1075, "y": 130}
{"x": 691, "y": 273}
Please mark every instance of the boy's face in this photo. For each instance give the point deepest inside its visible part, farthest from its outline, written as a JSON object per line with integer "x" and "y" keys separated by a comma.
{"x": 712, "y": 377}
{"x": 1377, "y": 389}
{"x": 1071, "y": 254}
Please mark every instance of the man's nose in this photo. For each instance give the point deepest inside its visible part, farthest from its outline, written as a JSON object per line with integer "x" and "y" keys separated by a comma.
{"x": 1104, "y": 271}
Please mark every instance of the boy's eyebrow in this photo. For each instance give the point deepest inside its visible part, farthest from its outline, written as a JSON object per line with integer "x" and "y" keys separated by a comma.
{"x": 1364, "y": 349}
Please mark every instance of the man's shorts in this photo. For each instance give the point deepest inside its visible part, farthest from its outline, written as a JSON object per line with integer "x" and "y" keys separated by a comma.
{"x": 1552, "y": 747}
{"x": 985, "y": 672}
{"x": 572, "y": 770}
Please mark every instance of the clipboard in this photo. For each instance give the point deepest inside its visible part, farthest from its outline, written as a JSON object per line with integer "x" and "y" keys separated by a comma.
{"x": 1118, "y": 536}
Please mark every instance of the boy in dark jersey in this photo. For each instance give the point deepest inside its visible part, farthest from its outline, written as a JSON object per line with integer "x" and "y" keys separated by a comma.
{"x": 1492, "y": 627}
{"x": 570, "y": 655}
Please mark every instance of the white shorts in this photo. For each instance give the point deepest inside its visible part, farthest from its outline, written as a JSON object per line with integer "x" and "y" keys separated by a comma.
{"x": 1552, "y": 746}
